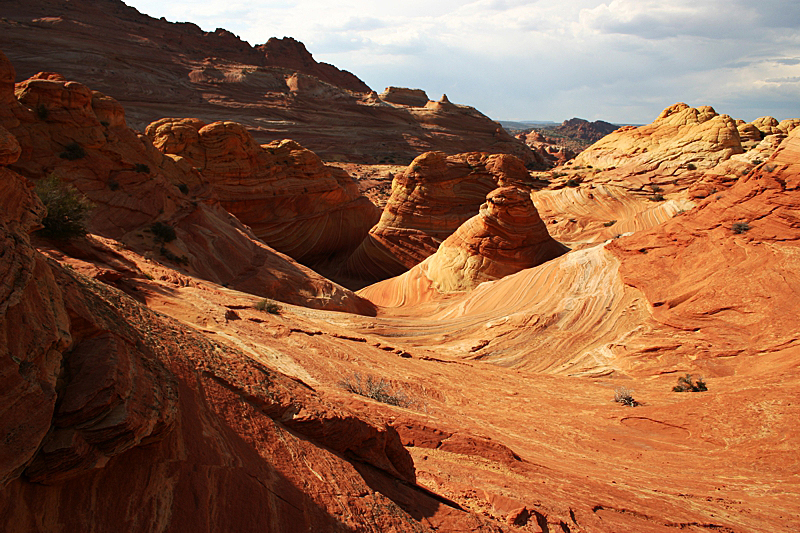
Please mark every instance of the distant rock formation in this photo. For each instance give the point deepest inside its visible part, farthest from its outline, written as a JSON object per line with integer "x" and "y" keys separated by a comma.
{"x": 403, "y": 96}
{"x": 289, "y": 198}
{"x": 681, "y": 135}
{"x": 430, "y": 200}
{"x": 292, "y": 54}
{"x": 80, "y": 136}
{"x": 276, "y": 90}
{"x": 578, "y": 128}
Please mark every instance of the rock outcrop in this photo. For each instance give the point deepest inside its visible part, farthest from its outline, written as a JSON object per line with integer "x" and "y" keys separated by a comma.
{"x": 505, "y": 237}
{"x": 288, "y": 197}
{"x": 277, "y": 90}
{"x": 291, "y": 54}
{"x": 80, "y": 136}
{"x": 681, "y": 135}
{"x": 429, "y": 201}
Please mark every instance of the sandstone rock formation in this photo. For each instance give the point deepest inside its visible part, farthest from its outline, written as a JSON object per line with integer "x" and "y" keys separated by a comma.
{"x": 429, "y": 201}
{"x": 277, "y": 90}
{"x": 681, "y": 135}
{"x": 289, "y": 198}
{"x": 80, "y": 136}
{"x": 291, "y": 54}
{"x": 505, "y": 237}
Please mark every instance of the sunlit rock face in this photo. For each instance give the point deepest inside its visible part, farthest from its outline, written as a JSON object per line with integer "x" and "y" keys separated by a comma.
{"x": 429, "y": 201}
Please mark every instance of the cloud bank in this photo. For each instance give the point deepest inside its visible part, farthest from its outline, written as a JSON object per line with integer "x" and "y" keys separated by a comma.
{"x": 622, "y": 61}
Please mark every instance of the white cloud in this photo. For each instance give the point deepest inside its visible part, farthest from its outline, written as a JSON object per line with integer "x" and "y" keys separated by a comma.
{"x": 618, "y": 60}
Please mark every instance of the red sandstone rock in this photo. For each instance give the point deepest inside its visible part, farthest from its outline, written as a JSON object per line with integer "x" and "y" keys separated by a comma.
{"x": 429, "y": 201}
{"x": 289, "y": 198}
{"x": 505, "y": 237}
{"x": 133, "y": 186}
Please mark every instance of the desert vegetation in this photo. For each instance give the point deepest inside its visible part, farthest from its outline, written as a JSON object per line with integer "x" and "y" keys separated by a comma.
{"x": 67, "y": 209}
{"x": 375, "y": 388}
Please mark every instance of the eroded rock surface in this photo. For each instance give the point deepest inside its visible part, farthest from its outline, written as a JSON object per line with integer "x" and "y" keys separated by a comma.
{"x": 80, "y": 136}
{"x": 429, "y": 201}
{"x": 506, "y": 236}
{"x": 288, "y": 197}
{"x": 157, "y": 68}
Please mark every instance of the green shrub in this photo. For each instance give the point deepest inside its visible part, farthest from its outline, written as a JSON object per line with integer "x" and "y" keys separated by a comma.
{"x": 691, "y": 166}
{"x": 183, "y": 188}
{"x": 73, "y": 151}
{"x": 657, "y": 198}
{"x": 377, "y": 389}
{"x": 163, "y": 232}
{"x": 268, "y": 306}
{"x": 625, "y": 397}
{"x": 573, "y": 182}
{"x": 740, "y": 227}
{"x": 178, "y": 259}
{"x": 141, "y": 167}
{"x": 67, "y": 209}
{"x": 655, "y": 188}
{"x": 687, "y": 384}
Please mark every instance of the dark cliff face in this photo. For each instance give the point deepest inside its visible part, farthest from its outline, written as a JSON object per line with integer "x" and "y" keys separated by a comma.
{"x": 585, "y": 130}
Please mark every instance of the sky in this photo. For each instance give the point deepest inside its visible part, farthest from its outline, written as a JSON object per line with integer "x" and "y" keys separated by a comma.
{"x": 622, "y": 61}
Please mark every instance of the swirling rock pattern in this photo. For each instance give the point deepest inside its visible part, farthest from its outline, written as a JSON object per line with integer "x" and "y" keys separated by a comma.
{"x": 505, "y": 237}
{"x": 429, "y": 201}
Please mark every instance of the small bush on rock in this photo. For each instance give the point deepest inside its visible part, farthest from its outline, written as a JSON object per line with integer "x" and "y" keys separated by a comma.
{"x": 268, "y": 306}
{"x": 163, "y": 232}
{"x": 377, "y": 389}
{"x": 740, "y": 227}
{"x": 625, "y": 397}
{"x": 67, "y": 209}
{"x": 141, "y": 167}
{"x": 73, "y": 151}
{"x": 687, "y": 384}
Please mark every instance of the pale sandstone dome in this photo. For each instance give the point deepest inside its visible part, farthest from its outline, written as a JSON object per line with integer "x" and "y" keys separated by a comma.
{"x": 429, "y": 201}
{"x": 50, "y": 113}
{"x": 283, "y": 192}
{"x": 679, "y": 137}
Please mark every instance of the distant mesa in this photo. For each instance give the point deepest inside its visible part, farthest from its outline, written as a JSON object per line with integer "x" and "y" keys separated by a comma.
{"x": 277, "y": 90}
{"x": 292, "y": 54}
{"x": 429, "y": 201}
{"x": 403, "y": 96}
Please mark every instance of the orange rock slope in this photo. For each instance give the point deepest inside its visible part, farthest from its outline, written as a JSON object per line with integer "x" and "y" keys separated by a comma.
{"x": 429, "y": 201}
{"x": 167, "y": 402}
